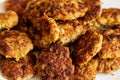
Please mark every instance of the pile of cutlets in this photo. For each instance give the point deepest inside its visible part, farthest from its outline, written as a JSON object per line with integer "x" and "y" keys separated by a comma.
{"x": 58, "y": 39}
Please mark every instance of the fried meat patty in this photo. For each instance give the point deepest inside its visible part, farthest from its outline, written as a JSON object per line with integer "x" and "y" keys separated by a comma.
{"x": 87, "y": 46}
{"x": 14, "y": 44}
{"x": 86, "y": 72}
{"x": 46, "y": 27}
{"x": 108, "y": 65}
{"x": 94, "y": 11}
{"x": 8, "y": 20}
{"x": 59, "y": 9}
{"x": 18, "y": 70}
{"x": 109, "y": 17}
{"x": 16, "y": 5}
{"x": 46, "y": 31}
{"x": 55, "y": 63}
{"x": 86, "y": 10}
{"x": 110, "y": 44}
{"x": 69, "y": 31}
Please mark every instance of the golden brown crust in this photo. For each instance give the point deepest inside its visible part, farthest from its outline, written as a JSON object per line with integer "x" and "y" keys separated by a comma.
{"x": 8, "y": 20}
{"x": 14, "y": 44}
{"x": 86, "y": 72}
{"x": 60, "y": 9}
{"x": 69, "y": 31}
{"x": 87, "y": 46}
{"x": 89, "y": 27}
{"x": 44, "y": 32}
{"x": 17, "y": 70}
{"x": 94, "y": 12}
{"x": 109, "y": 17}
{"x": 16, "y": 5}
{"x": 55, "y": 63}
{"x": 110, "y": 44}
{"x": 108, "y": 65}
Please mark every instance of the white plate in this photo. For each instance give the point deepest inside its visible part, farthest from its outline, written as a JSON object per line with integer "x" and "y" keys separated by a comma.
{"x": 105, "y": 4}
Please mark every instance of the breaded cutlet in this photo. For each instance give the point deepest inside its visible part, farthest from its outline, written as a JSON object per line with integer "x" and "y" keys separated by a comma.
{"x": 108, "y": 65}
{"x": 8, "y": 20}
{"x": 86, "y": 72}
{"x": 86, "y": 47}
{"x": 18, "y": 70}
{"x": 14, "y": 44}
{"x": 69, "y": 31}
{"x": 59, "y": 9}
{"x": 16, "y": 5}
{"x": 109, "y": 17}
{"x": 54, "y": 63}
{"x": 94, "y": 11}
{"x": 46, "y": 30}
{"x": 110, "y": 44}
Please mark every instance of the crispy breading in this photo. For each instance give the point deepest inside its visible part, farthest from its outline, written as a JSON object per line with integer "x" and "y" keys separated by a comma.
{"x": 59, "y": 9}
{"x": 46, "y": 31}
{"x": 65, "y": 9}
{"x": 88, "y": 27}
{"x": 87, "y": 46}
{"x": 94, "y": 11}
{"x": 86, "y": 72}
{"x": 109, "y": 17}
{"x": 70, "y": 31}
{"x": 17, "y": 70}
{"x": 8, "y": 20}
{"x": 110, "y": 44}
{"x": 108, "y": 65}
{"x": 54, "y": 63}
{"x": 14, "y": 44}
{"x": 16, "y": 5}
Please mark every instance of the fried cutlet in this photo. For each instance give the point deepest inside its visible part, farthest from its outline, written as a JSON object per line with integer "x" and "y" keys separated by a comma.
{"x": 87, "y": 46}
{"x": 70, "y": 31}
{"x": 108, "y": 65}
{"x": 16, "y": 5}
{"x": 94, "y": 11}
{"x": 17, "y": 70}
{"x": 110, "y": 44}
{"x": 8, "y": 20}
{"x": 46, "y": 31}
{"x": 59, "y": 9}
{"x": 86, "y": 72}
{"x": 55, "y": 63}
{"x": 109, "y": 17}
{"x": 14, "y": 44}
{"x": 88, "y": 27}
